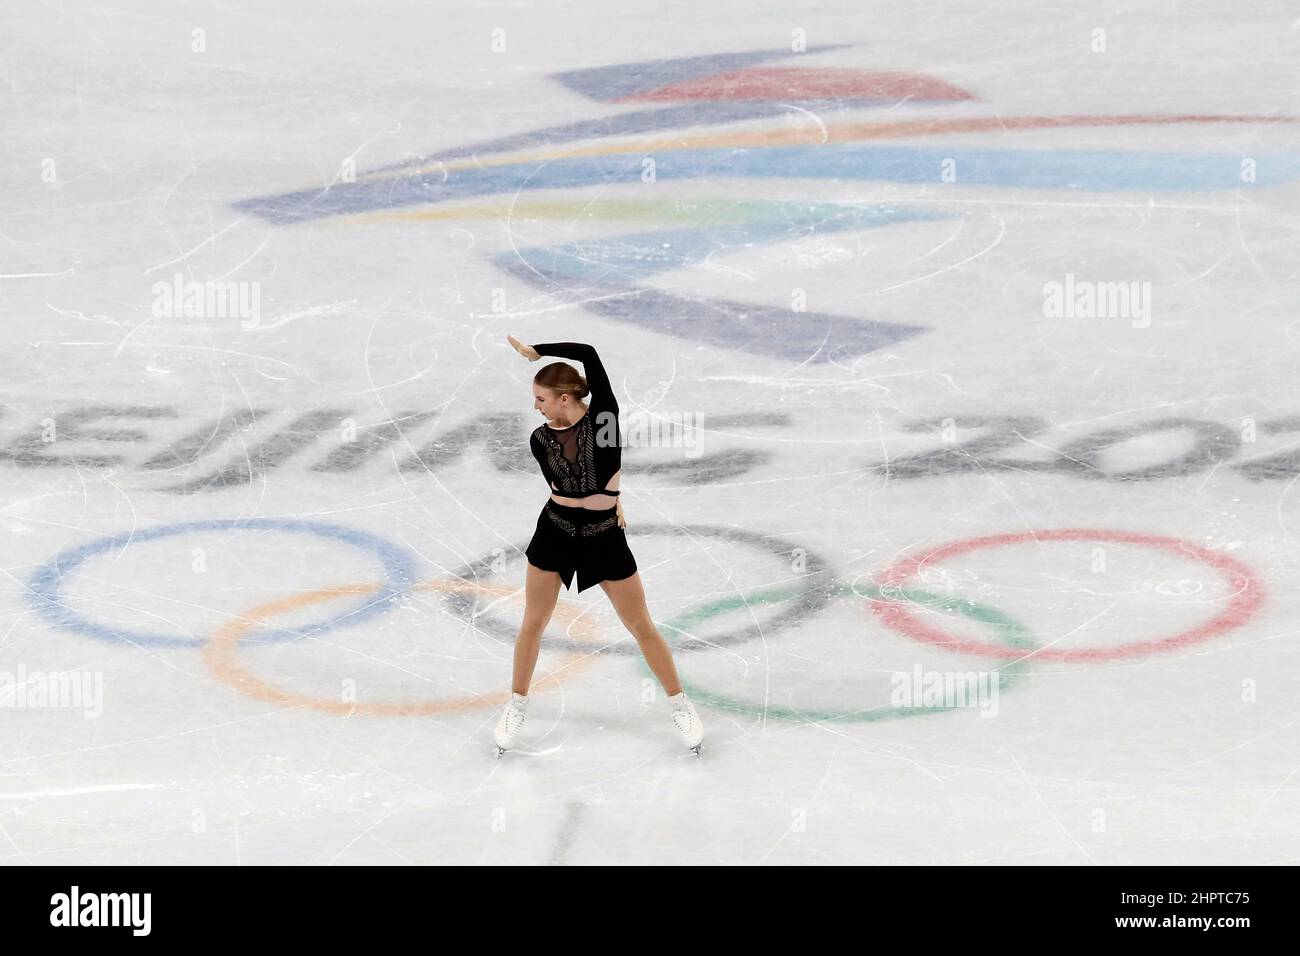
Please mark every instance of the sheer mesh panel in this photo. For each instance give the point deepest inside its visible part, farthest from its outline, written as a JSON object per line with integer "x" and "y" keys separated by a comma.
{"x": 569, "y": 445}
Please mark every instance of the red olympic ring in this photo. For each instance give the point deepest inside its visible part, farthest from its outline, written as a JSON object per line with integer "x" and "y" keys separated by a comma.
{"x": 1248, "y": 595}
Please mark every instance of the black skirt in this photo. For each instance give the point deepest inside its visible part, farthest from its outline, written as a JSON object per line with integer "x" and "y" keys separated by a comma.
{"x": 583, "y": 541}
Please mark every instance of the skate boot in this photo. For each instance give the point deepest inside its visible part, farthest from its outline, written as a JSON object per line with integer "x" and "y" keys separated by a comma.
{"x": 512, "y": 718}
{"x": 687, "y": 722}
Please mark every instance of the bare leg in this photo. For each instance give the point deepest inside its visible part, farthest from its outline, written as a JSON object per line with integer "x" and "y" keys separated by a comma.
{"x": 541, "y": 591}
{"x": 628, "y": 598}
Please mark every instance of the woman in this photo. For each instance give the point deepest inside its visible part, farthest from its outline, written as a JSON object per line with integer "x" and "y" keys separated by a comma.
{"x": 580, "y": 529}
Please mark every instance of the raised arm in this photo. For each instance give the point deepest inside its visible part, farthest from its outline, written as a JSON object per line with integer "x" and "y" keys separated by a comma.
{"x": 602, "y": 393}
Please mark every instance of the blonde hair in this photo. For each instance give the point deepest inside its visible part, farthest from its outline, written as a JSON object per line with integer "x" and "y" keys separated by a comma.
{"x": 562, "y": 378}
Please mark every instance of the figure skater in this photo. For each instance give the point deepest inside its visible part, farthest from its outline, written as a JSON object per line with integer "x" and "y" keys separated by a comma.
{"x": 580, "y": 529}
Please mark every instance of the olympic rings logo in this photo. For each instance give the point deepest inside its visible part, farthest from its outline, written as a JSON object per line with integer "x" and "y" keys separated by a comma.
{"x": 891, "y": 597}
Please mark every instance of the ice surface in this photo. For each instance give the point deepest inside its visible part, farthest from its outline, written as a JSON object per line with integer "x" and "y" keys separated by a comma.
{"x": 844, "y": 263}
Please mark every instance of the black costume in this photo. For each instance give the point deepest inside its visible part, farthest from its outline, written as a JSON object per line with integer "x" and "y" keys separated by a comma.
{"x": 578, "y": 462}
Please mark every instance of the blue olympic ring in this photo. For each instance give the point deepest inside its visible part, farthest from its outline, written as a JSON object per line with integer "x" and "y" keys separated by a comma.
{"x": 46, "y": 584}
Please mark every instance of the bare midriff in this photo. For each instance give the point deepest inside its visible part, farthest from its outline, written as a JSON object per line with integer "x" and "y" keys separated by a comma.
{"x": 594, "y": 502}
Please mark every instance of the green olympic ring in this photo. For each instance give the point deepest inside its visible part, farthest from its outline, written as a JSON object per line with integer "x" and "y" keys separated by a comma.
{"x": 1010, "y": 631}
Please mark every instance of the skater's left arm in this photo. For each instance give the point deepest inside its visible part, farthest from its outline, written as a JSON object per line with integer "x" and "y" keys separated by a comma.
{"x": 527, "y": 351}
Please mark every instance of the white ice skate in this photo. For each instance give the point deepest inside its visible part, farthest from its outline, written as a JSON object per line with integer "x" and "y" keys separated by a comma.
{"x": 512, "y": 718}
{"x": 687, "y": 722}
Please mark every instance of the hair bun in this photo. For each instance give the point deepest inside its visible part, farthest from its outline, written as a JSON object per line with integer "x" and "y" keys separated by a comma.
{"x": 562, "y": 378}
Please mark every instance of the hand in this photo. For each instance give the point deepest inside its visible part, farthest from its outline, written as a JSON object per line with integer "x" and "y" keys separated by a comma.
{"x": 618, "y": 511}
{"x": 527, "y": 351}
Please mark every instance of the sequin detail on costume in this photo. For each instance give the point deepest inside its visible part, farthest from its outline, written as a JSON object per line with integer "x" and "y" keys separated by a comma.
{"x": 576, "y": 476}
{"x": 589, "y": 529}
{"x": 567, "y": 527}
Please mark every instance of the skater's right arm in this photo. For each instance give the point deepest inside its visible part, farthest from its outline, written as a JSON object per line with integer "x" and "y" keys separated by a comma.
{"x": 539, "y": 452}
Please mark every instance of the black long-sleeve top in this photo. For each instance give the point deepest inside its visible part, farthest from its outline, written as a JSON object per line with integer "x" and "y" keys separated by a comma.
{"x": 579, "y": 461}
